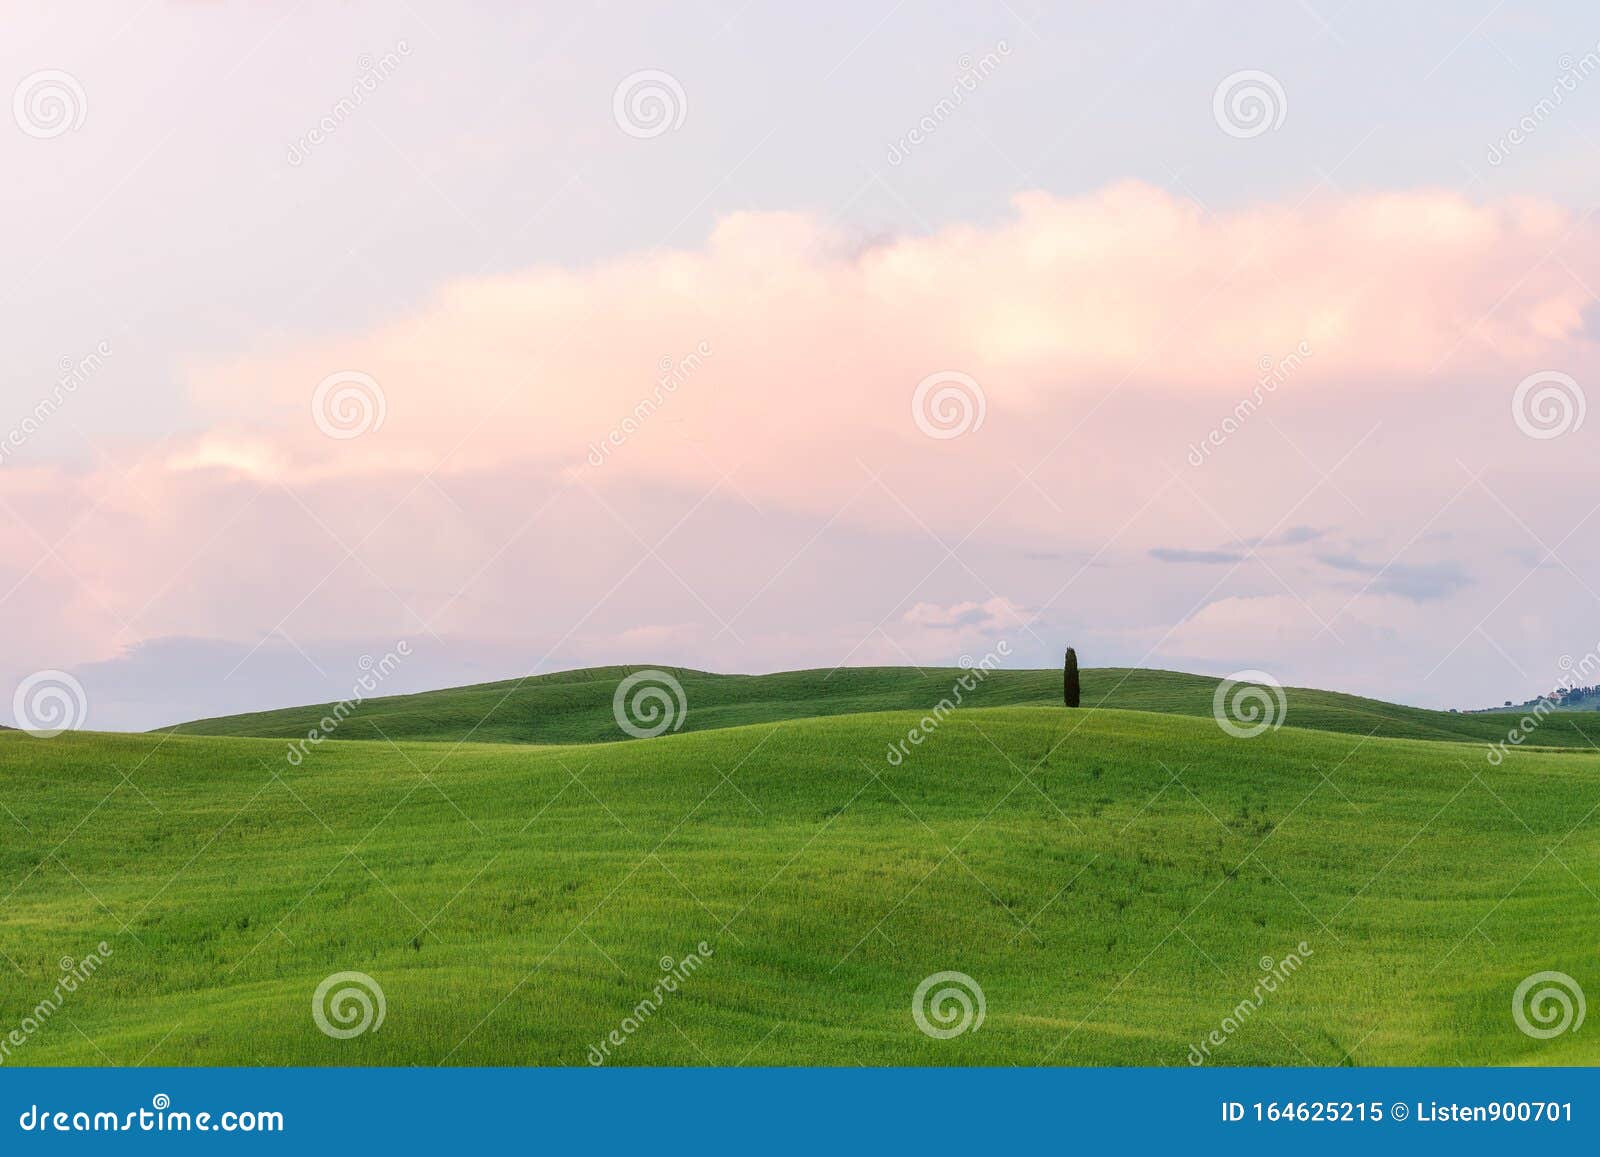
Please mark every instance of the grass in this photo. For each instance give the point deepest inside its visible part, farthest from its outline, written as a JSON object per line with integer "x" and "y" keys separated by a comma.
{"x": 1111, "y": 878}
{"x": 576, "y": 706}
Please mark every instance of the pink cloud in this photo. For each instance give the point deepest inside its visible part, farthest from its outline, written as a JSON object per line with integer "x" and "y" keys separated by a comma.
{"x": 813, "y": 349}
{"x": 765, "y": 496}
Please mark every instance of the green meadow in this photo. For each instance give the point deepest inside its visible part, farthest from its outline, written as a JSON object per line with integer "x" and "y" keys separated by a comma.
{"x": 517, "y": 875}
{"x": 576, "y": 706}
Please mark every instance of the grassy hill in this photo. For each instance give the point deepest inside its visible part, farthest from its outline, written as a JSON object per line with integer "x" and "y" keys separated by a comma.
{"x": 576, "y": 706}
{"x": 1115, "y": 881}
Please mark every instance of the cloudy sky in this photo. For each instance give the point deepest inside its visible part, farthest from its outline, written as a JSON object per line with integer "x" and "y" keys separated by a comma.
{"x": 752, "y": 337}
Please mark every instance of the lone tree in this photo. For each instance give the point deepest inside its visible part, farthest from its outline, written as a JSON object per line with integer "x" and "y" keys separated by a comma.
{"x": 1070, "y": 692}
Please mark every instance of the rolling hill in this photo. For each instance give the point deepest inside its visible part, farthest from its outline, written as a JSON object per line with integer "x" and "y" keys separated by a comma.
{"x": 1118, "y": 883}
{"x": 576, "y": 706}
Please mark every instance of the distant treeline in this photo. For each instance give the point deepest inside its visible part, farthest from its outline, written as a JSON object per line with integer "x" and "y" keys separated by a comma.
{"x": 1561, "y": 699}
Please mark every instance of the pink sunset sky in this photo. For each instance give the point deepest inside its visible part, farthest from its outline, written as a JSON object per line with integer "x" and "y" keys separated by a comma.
{"x": 533, "y": 382}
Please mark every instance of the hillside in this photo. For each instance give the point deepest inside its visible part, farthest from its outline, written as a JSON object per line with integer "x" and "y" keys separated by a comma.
{"x": 1115, "y": 881}
{"x": 576, "y": 706}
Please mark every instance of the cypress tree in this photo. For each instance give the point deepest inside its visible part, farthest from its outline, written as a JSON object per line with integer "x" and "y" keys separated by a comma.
{"x": 1070, "y": 692}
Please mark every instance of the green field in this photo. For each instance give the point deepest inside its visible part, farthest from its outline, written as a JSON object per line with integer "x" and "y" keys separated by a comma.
{"x": 1113, "y": 878}
{"x": 575, "y": 706}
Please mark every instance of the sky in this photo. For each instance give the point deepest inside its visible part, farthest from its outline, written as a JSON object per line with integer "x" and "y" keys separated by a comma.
{"x": 752, "y": 337}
